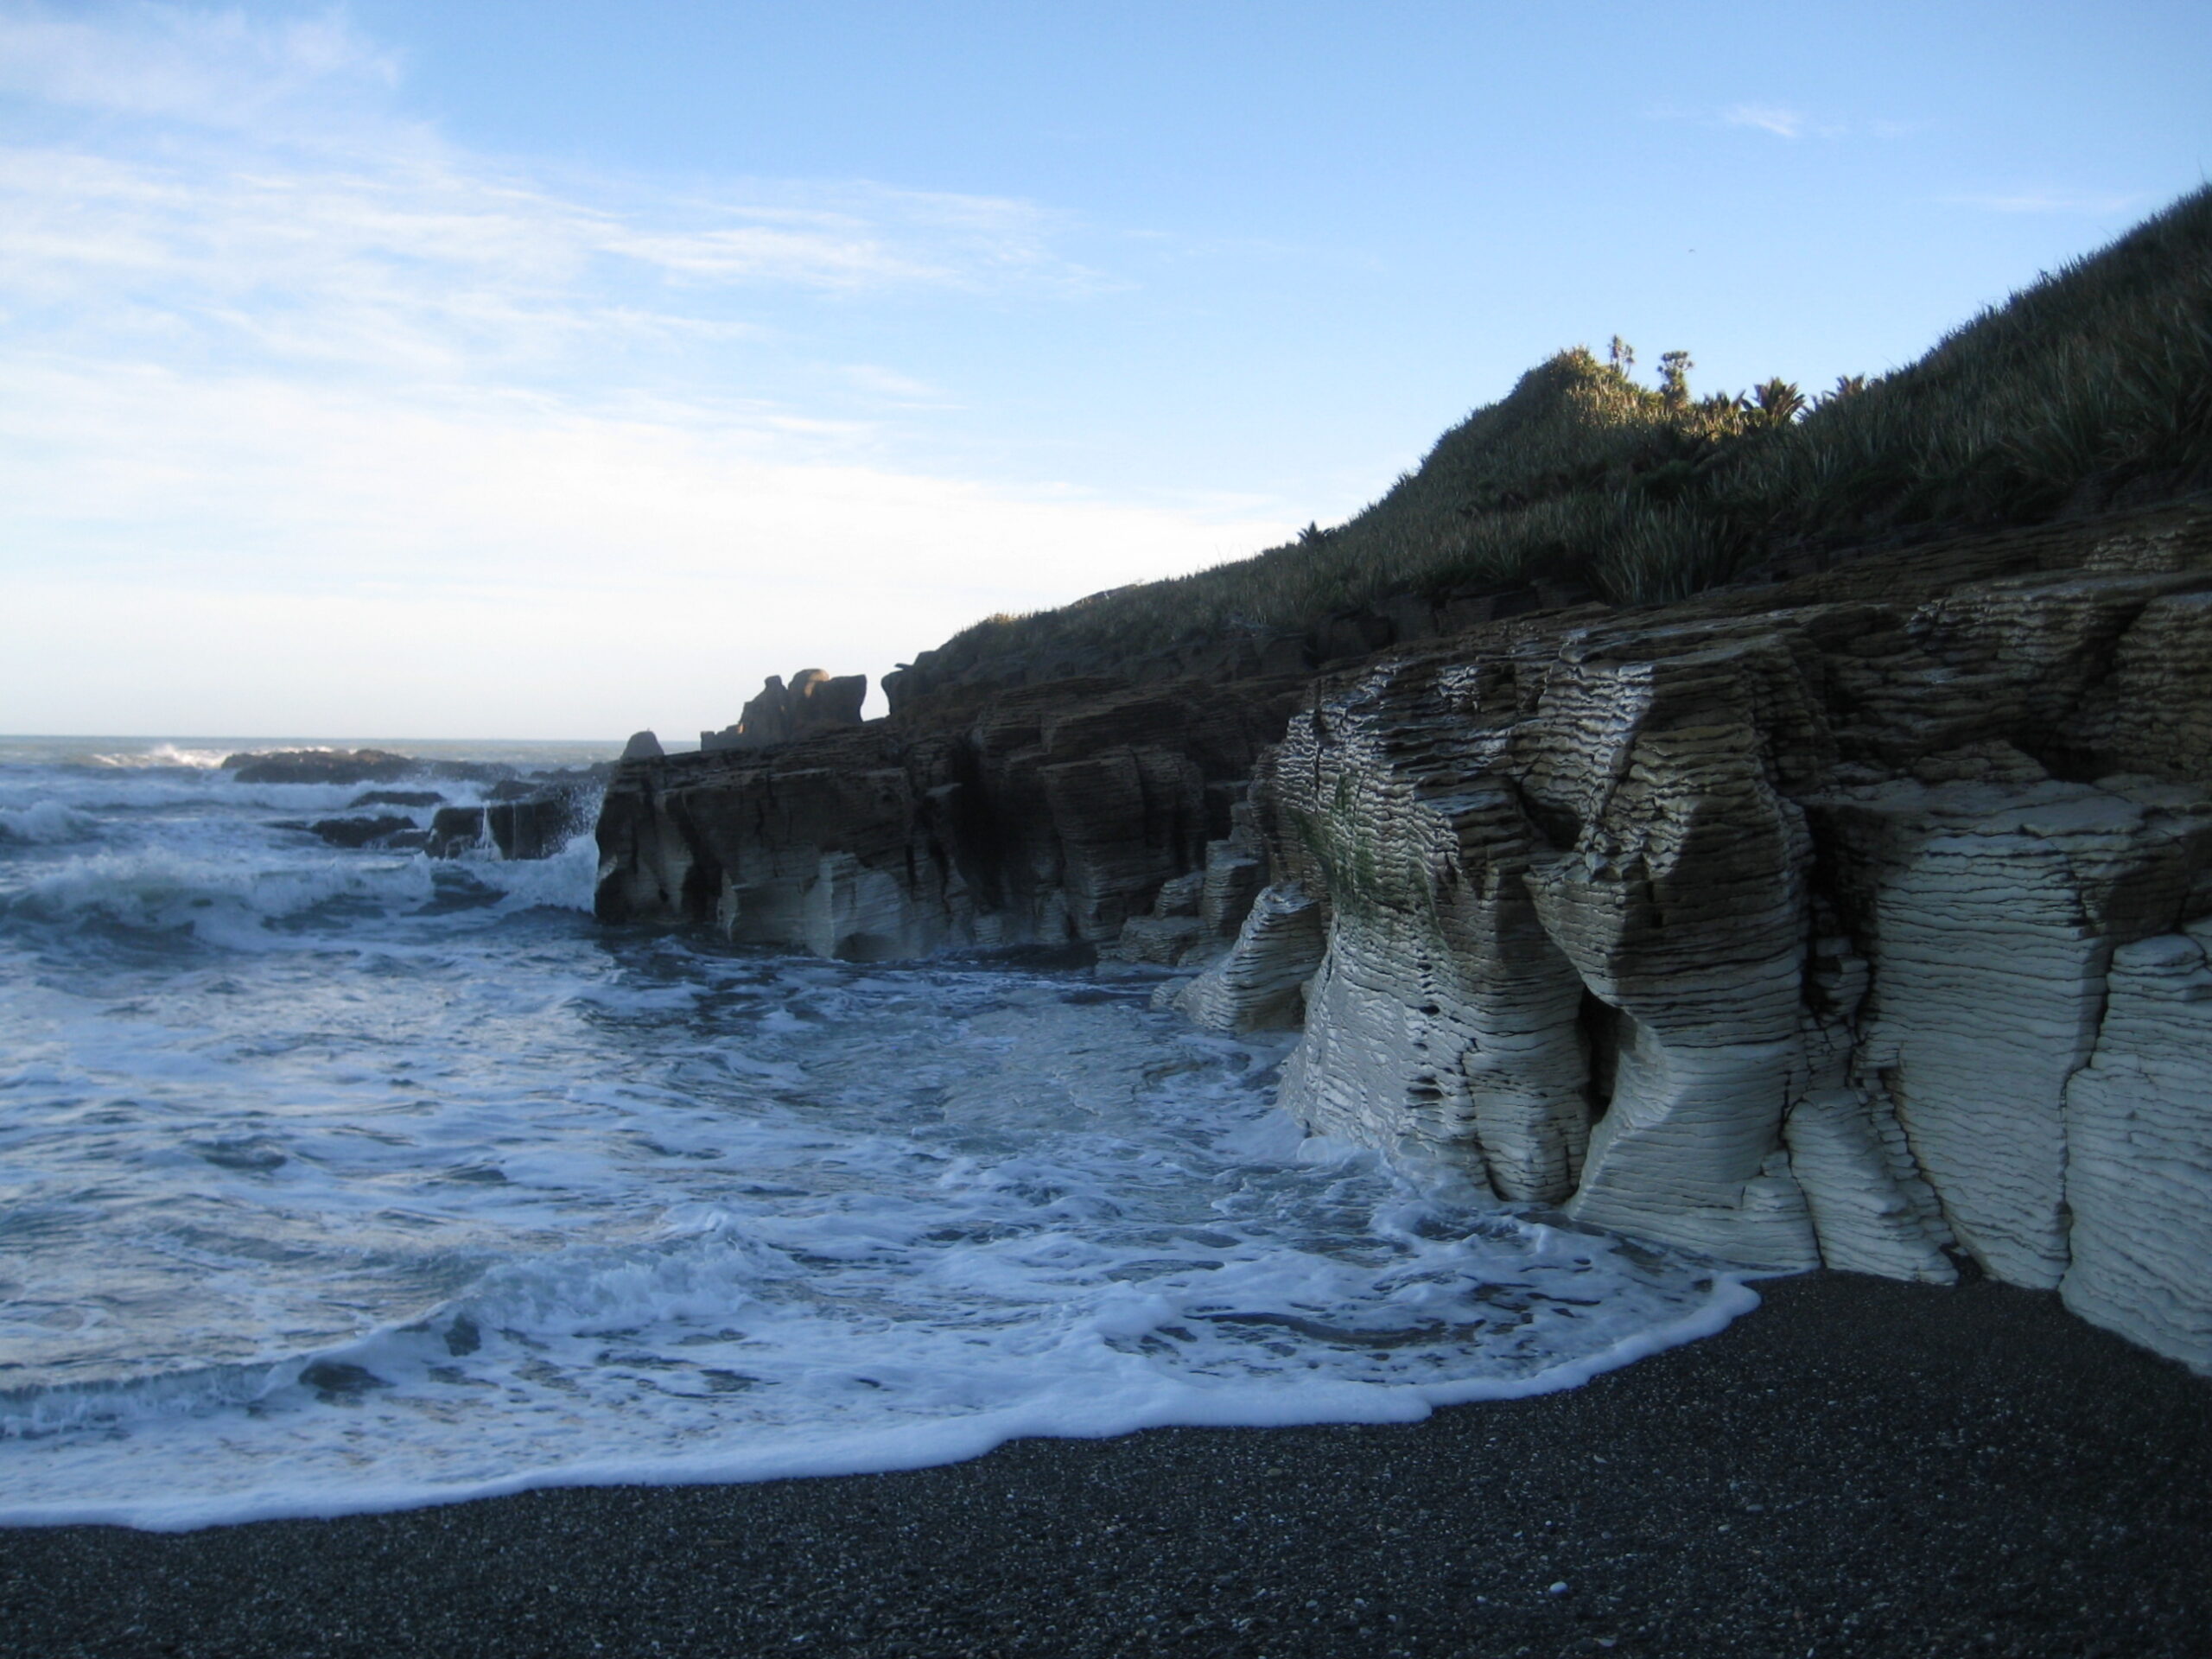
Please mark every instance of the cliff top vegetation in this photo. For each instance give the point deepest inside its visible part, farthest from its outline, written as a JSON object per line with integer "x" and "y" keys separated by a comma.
{"x": 2093, "y": 383}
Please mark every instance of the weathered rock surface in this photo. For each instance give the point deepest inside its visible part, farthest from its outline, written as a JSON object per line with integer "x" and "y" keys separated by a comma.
{"x": 1779, "y": 926}
{"x": 2138, "y": 1132}
{"x": 532, "y": 821}
{"x": 1260, "y": 984}
{"x": 1049, "y": 814}
{"x": 538, "y": 825}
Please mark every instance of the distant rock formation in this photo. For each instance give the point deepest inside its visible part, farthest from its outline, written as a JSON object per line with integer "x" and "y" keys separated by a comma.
{"x": 642, "y": 746}
{"x": 814, "y": 701}
{"x": 355, "y": 766}
{"x": 320, "y": 766}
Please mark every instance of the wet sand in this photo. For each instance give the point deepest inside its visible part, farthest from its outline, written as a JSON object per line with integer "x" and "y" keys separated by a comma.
{"x": 1858, "y": 1468}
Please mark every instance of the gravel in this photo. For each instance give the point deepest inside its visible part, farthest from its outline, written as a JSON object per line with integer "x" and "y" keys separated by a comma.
{"x": 1858, "y": 1468}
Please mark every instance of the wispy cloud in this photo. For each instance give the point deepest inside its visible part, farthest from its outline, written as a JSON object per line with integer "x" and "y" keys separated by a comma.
{"x": 1784, "y": 121}
{"x": 270, "y": 344}
{"x": 215, "y": 68}
{"x": 1778, "y": 119}
{"x": 2094, "y": 204}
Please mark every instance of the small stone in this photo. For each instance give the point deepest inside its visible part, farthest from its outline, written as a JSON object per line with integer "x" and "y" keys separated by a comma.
{"x": 1558, "y": 1588}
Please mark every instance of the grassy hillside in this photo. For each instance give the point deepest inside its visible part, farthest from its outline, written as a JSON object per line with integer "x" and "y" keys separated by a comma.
{"x": 2096, "y": 378}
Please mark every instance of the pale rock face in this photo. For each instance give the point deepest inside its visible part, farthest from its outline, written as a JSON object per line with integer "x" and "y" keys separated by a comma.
{"x": 1443, "y": 1016}
{"x": 1768, "y": 933}
{"x": 1992, "y": 913}
{"x": 1682, "y": 904}
{"x": 1260, "y": 984}
{"x": 1526, "y": 861}
{"x": 1872, "y": 1212}
{"x": 2138, "y": 1178}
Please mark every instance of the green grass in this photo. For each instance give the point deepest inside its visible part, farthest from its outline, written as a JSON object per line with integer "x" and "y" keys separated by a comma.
{"x": 2099, "y": 375}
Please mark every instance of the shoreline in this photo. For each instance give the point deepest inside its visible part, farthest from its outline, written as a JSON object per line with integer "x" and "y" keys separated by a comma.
{"x": 1857, "y": 1467}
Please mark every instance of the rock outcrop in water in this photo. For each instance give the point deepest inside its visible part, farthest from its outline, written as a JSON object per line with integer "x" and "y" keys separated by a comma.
{"x": 1861, "y": 919}
{"x": 320, "y": 766}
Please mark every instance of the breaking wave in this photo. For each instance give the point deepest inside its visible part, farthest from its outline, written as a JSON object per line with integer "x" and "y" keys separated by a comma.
{"x": 352, "y": 1180}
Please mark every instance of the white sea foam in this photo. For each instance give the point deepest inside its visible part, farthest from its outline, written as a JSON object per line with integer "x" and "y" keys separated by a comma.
{"x": 454, "y": 1194}
{"x": 161, "y": 755}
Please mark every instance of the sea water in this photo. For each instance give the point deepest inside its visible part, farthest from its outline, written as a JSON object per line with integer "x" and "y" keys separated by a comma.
{"x": 337, "y": 1179}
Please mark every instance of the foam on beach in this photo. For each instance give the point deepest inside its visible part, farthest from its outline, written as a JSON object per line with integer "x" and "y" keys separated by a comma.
{"x": 342, "y": 1182}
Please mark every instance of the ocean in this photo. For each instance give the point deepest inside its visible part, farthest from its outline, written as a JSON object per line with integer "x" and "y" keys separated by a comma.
{"x": 342, "y": 1178}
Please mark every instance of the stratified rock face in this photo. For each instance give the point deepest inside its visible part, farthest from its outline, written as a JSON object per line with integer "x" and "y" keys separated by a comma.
{"x": 1992, "y": 911}
{"x": 1054, "y": 814}
{"x": 2138, "y": 1131}
{"x": 1763, "y": 925}
{"x": 1260, "y": 984}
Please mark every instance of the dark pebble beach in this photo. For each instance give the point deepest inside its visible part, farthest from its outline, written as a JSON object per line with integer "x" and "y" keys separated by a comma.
{"x": 1857, "y": 1468}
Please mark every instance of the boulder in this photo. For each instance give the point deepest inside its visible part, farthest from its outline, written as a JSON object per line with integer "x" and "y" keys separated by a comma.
{"x": 456, "y": 831}
{"x": 642, "y": 746}
{"x": 538, "y": 825}
{"x": 358, "y": 832}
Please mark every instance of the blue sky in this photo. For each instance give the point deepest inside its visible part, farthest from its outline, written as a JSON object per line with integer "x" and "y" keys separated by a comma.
{"x": 549, "y": 370}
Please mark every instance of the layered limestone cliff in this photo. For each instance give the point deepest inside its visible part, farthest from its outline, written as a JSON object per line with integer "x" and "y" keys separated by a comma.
{"x": 1052, "y": 815}
{"x": 1858, "y": 920}
{"x": 1784, "y": 926}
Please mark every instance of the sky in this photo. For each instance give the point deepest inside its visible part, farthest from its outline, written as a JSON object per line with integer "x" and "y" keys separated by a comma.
{"x": 547, "y": 369}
